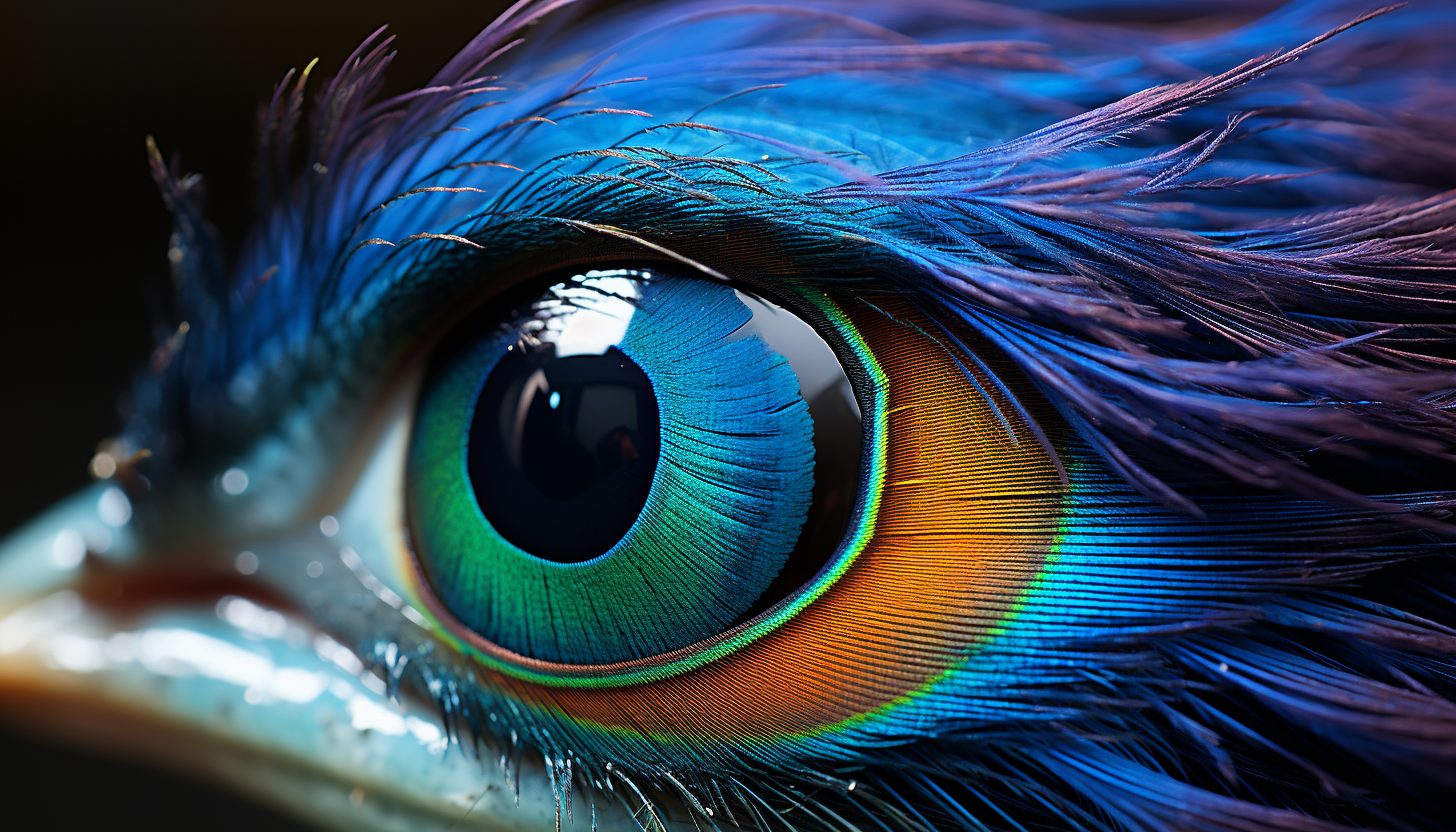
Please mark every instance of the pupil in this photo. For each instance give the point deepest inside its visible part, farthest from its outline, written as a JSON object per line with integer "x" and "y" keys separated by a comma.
{"x": 562, "y": 450}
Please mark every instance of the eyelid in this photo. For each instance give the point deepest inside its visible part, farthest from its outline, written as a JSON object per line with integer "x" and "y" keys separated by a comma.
{"x": 373, "y": 517}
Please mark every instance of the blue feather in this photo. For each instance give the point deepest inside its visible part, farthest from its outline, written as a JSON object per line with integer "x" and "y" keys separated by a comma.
{"x": 1220, "y": 265}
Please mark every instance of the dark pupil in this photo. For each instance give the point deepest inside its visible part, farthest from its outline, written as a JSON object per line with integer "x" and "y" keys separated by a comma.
{"x": 562, "y": 450}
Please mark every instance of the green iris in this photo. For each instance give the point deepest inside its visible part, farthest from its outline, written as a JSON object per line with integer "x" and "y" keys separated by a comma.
{"x": 729, "y": 496}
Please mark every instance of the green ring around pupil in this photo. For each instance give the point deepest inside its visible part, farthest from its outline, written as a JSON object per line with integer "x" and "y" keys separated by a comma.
{"x": 665, "y": 598}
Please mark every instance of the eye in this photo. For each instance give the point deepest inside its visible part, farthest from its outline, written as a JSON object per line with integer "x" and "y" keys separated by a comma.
{"x": 626, "y": 465}
{"x": 953, "y": 480}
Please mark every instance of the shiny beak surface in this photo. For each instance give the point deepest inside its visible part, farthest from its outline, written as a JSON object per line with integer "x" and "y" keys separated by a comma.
{"x": 233, "y": 687}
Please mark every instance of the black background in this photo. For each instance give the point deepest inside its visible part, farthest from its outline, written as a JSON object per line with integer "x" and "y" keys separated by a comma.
{"x": 85, "y": 275}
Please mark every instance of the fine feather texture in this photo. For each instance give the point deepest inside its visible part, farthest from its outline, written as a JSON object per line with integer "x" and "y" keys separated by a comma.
{"x": 1202, "y": 327}
{"x": 1204, "y": 270}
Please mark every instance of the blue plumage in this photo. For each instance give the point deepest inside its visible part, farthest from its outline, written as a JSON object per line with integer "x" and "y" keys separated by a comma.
{"x": 1221, "y": 277}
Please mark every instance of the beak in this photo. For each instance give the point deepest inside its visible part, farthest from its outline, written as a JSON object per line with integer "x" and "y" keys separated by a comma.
{"x": 210, "y": 673}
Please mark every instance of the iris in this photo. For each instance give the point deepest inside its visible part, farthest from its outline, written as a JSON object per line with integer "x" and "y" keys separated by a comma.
{"x": 626, "y": 465}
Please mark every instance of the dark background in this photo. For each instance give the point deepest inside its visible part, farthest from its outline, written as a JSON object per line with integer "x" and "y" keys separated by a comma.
{"x": 85, "y": 272}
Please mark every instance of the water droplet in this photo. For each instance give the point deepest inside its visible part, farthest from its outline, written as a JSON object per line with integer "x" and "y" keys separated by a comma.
{"x": 103, "y": 466}
{"x": 113, "y": 508}
{"x": 68, "y": 549}
{"x": 234, "y": 481}
{"x": 246, "y": 562}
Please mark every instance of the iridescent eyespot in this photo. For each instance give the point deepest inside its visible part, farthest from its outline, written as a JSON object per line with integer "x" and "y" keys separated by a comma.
{"x": 628, "y": 464}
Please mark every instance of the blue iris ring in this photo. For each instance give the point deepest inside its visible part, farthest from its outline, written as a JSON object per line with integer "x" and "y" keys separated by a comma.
{"x": 728, "y": 498}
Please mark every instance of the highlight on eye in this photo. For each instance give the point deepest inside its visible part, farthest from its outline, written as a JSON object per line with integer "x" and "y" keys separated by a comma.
{"x": 627, "y": 464}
